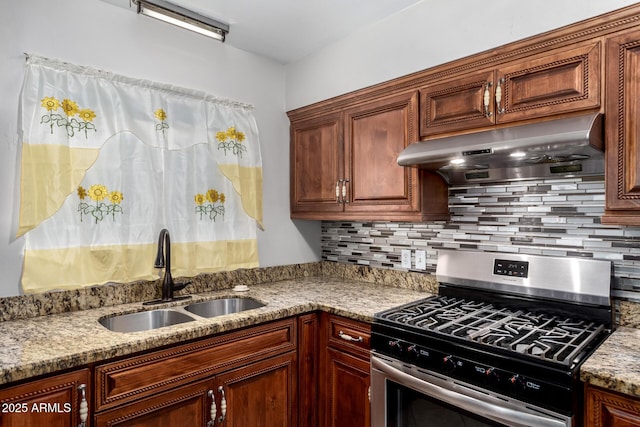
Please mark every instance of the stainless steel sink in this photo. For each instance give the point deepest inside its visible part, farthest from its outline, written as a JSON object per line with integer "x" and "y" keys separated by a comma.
{"x": 220, "y": 307}
{"x": 144, "y": 320}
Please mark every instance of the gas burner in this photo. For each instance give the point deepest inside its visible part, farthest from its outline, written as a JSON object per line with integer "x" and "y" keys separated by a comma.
{"x": 532, "y": 335}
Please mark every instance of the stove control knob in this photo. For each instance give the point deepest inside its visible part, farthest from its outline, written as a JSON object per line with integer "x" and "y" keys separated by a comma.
{"x": 449, "y": 363}
{"x": 395, "y": 346}
{"x": 493, "y": 376}
{"x": 412, "y": 351}
{"x": 518, "y": 383}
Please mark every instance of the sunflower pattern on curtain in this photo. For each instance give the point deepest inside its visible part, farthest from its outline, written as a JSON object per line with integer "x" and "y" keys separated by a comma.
{"x": 108, "y": 161}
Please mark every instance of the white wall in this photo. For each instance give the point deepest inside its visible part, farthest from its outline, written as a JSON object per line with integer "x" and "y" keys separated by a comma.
{"x": 430, "y": 33}
{"x": 101, "y": 35}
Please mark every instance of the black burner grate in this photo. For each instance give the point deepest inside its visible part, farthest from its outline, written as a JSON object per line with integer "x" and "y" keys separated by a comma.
{"x": 542, "y": 336}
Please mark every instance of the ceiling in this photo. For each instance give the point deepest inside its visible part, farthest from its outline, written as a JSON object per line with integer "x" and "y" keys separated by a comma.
{"x": 288, "y": 30}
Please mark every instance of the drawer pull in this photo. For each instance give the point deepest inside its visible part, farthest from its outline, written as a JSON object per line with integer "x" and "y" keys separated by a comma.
{"x": 338, "y": 191}
{"x": 213, "y": 410}
{"x": 84, "y": 406}
{"x": 223, "y": 406}
{"x": 349, "y": 337}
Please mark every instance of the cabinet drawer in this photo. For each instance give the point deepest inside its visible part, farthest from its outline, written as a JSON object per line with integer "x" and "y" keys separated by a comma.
{"x": 349, "y": 335}
{"x": 141, "y": 376}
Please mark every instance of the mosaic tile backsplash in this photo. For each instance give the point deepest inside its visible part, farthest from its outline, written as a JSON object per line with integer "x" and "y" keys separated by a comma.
{"x": 558, "y": 217}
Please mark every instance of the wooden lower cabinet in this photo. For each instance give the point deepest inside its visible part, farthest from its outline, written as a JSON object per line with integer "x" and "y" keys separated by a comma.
{"x": 347, "y": 390}
{"x": 249, "y": 377}
{"x": 53, "y": 402}
{"x": 605, "y": 408}
{"x": 185, "y": 406}
{"x": 345, "y": 372}
{"x": 261, "y": 394}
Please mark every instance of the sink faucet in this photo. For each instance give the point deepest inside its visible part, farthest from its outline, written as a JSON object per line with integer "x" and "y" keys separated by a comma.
{"x": 163, "y": 260}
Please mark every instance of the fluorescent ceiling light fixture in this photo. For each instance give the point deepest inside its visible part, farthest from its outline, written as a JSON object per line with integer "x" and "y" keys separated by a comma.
{"x": 518, "y": 154}
{"x": 184, "y": 18}
{"x": 457, "y": 161}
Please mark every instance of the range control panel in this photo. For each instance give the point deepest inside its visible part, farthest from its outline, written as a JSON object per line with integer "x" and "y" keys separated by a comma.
{"x": 504, "y": 267}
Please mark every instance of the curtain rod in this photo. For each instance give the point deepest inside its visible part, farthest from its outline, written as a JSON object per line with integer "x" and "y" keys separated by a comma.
{"x": 194, "y": 93}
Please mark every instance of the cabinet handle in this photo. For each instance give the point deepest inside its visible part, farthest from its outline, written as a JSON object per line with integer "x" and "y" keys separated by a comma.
{"x": 499, "y": 109}
{"x": 344, "y": 191}
{"x": 487, "y": 99}
{"x": 83, "y": 411}
{"x": 213, "y": 410}
{"x": 349, "y": 337}
{"x": 338, "y": 191}
{"x": 223, "y": 406}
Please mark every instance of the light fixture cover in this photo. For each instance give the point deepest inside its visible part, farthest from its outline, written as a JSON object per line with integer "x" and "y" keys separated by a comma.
{"x": 184, "y": 18}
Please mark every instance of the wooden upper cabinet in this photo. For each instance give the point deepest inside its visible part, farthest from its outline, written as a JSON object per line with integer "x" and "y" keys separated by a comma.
{"x": 375, "y": 134}
{"x": 316, "y": 164}
{"x": 354, "y": 174}
{"x": 560, "y": 82}
{"x": 457, "y": 105}
{"x": 556, "y": 82}
{"x": 622, "y": 130}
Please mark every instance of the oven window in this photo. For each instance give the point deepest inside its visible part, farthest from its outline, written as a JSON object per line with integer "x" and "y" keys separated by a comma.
{"x": 409, "y": 408}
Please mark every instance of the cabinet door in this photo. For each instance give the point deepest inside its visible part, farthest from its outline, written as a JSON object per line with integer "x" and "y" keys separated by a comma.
{"x": 560, "y": 82}
{"x": 347, "y": 388}
{"x": 622, "y": 129}
{"x": 188, "y": 405}
{"x": 51, "y": 402}
{"x": 375, "y": 134}
{"x": 308, "y": 363}
{"x": 463, "y": 103}
{"x": 316, "y": 164}
{"x": 262, "y": 394}
{"x": 607, "y": 409}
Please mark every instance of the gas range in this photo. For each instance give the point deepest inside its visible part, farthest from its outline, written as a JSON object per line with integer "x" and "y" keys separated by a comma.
{"x": 517, "y": 326}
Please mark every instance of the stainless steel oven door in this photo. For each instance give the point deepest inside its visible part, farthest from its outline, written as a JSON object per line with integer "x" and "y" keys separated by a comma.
{"x": 406, "y": 396}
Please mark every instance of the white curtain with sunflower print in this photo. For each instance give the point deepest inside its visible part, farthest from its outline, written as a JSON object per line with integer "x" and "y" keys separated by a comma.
{"x": 108, "y": 161}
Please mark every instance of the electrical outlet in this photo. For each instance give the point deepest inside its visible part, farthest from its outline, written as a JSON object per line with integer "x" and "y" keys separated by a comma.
{"x": 421, "y": 260}
{"x": 406, "y": 258}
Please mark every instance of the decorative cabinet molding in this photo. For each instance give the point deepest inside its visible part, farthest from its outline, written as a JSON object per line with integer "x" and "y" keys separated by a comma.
{"x": 604, "y": 408}
{"x": 65, "y": 398}
{"x": 556, "y": 82}
{"x": 622, "y": 127}
{"x": 205, "y": 383}
{"x": 343, "y": 165}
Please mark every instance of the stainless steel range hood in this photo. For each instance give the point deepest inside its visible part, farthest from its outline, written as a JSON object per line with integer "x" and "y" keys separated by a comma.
{"x": 565, "y": 147}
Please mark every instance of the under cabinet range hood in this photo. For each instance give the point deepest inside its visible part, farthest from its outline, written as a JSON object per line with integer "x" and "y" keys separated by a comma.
{"x": 566, "y": 147}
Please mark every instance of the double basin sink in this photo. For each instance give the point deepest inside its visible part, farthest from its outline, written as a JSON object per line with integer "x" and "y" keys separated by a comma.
{"x": 154, "y": 319}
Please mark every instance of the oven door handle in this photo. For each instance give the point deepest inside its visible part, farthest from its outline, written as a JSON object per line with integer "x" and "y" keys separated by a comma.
{"x": 461, "y": 400}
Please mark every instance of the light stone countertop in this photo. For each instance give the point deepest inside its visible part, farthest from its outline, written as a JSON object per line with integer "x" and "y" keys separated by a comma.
{"x": 49, "y": 343}
{"x": 615, "y": 365}
{"x": 45, "y": 344}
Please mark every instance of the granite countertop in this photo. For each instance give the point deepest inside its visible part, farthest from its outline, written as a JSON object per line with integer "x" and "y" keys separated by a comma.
{"x": 614, "y": 365}
{"x": 45, "y": 344}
